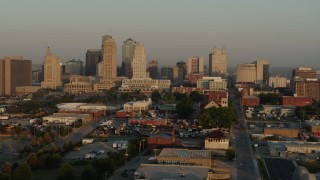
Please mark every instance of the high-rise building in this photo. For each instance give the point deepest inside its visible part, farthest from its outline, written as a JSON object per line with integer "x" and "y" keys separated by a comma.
{"x": 109, "y": 60}
{"x": 195, "y": 65}
{"x": 304, "y": 73}
{"x": 153, "y": 69}
{"x": 128, "y": 48}
{"x": 182, "y": 71}
{"x": 52, "y": 71}
{"x": 166, "y": 72}
{"x": 256, "y": 72}
{"x": 263, "y": 71}
{"x": 37, "y": 77}
{"x": 93, "y": 57}
{"x": 139, "y": 62}
{"x": 246, "y": 73}
{"x": 74, "y": 67}
{"x": 218, "y": 62}
{"x": 307, "y": 88}
{"x": 14, "y": 72}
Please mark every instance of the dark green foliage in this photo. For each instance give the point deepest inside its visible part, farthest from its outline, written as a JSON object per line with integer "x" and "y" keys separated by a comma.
{"x": 23, "y": 172}
{"x": 156, "y": 96}
{"x": 195, "y": 96}
{"x": 179, "y": 96}
{"x": 89, "y": 173}
{"x": 184, "y": 108}
{"x": 66, "y": 172}
{"x": 168, "y": 96}
{"x": 231, "y": 154}
{"x": 221, "y": 117}
{"x": 312, "y": 139}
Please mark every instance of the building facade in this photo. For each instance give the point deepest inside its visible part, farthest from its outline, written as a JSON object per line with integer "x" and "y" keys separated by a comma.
{"x": 307, "y": 88}
{"x": 128, "y": 48}
{"x": 278, "y": 82}
{"x": 139, "y": 62}
{"x": 304, "y": 73}
{"x": 52, "y": 71}
{"x": 195, "y": 65}
{"x": 263, "y": 71}
{"x": 109, "y": 59}
{"x": 74, "y": 67}
{"x": 212, "y": 83}
{"x": 246, "y": 73}
{"x": 153, "y": 69}
{"x": 14, "y": 72}
{"x": 93, "y": 57}
{"x": 145, "y": 84}
{"x": 218, "y": 62}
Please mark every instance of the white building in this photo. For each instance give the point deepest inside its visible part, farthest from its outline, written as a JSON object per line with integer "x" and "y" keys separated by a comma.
{"x": 212, "y": 83}
{"x": 67, "y": 118}
{"x": 216, "y": 140}
{"x": 277, "y": 81}
{"x": 137, "y": 106}
{"x": 144, "y": 84}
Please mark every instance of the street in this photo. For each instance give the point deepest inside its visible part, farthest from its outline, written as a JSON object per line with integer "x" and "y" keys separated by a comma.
{"x": 245, "y": 162}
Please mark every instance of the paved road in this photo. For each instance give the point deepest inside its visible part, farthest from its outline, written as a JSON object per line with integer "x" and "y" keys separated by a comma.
{"x": 245, "y": 163}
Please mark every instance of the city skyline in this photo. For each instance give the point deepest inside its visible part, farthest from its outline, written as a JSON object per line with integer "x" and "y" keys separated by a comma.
{"x": 170, "y": 32}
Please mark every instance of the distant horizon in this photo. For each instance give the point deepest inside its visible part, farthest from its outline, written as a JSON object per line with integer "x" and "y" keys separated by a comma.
{"x": 283, "y": 32}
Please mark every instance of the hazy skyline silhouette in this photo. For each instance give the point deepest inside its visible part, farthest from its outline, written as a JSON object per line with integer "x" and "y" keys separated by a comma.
{"x": 287, "y": 33}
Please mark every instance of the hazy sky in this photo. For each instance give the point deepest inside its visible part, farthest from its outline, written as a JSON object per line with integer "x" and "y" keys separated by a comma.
{"x": 286, "y": 32}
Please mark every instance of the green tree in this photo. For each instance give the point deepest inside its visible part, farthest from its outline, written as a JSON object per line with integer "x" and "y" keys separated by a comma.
{"x": 47, "y": 137}
{"x": 184, "y": 108}
{"x": 168, "y": 96}
{"x": 156, "y": 96}
{"x": 23, "y": 172}
{"x": 231, "y": 154}
{"x": 7, "y": 169}
{"x": 195, "y": 96}
{"x": 32, "y": 160}
{"x": 179, "y": 96}
{"x": 4, "y": 176}
{"x": 66, "y": 172}
{"x": 218, "y": 117}
{"x": 89, "y": 173}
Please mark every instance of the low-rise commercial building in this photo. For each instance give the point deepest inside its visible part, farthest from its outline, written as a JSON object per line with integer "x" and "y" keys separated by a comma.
{"x": 287, "y": 132}
{"x": 157, "y": 171}
{"x": 144, "y": 84}
{"x": 26, "y": 89}
{"x": 296, "y": 101}
{"x": 67, "y": 118}
{"x": 212, "y": 83}
{"x": 313, "y": 126}
{"x": 137, "y": 106}
{"x": 149, "y": 121}
{"x": 250, "y": 101}
{"x": 185, "y": 156}
{"x": 217, "y": 140}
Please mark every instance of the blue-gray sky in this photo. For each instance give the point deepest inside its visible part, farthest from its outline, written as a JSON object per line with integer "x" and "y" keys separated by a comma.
{"x": 285, "y": 32}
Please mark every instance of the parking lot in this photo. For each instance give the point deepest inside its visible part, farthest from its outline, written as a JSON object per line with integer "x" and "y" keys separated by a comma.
{"x": 88, "y": 148}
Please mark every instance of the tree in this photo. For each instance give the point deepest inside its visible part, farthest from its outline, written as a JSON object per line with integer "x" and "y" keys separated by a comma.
{"x": 23, "y": 172}
{"x": 184, "y": 108}
{"x": 32, "y": 160}
{"x": 218, "y": 117}
{"x": 66, "y": 172}
{"x": 47, "y": 137}
{"x": 4, "y": 176}
{"x": 89, "y": 173}
{"x": 168, "y": 96}
{"x": 7, "y": 169}
{"x": 231, "y": 154}
{"x": 195, "y": 96}
{"x": 312, "y": 139}
{"x": 156, "y": 96}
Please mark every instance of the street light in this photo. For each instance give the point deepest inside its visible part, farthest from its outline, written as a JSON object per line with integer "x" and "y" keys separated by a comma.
{"x": 126, "y": 156}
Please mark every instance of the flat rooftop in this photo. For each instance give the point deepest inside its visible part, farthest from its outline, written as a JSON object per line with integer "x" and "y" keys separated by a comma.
{"x": 155, "y": 171}
{"x": 185, "y": 153}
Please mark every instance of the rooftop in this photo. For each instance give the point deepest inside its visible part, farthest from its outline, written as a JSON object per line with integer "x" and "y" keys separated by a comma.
{"x": 185, "y": 153}
{"x": 154, "y": 171}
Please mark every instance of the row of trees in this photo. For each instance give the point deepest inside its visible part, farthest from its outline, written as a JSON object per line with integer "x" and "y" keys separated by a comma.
{"x": 156, "y": 96}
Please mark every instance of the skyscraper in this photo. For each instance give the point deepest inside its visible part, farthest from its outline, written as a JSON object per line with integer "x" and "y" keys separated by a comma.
{"x": 153, "y": 69}
{"x": 256, "y": 72}
{"x": 93, "y": 57}
{"x": 139, "y": 62}
{"x": 128, "y": 48}
{"x": 263, "y": 71}
{"x": 195, "y": 65}
{"x": 74, "y": 67}
{"x": 14, "y": 72}
{"x": 109, "y": 59}
{"x": 218, "y": 62}
{"x": 52, "y": 71}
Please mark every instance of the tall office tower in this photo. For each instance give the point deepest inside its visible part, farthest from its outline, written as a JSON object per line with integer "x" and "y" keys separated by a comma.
{"x": 218, "y": 62}
{"x": 304, "y": 73}
{"x": 195, "y": 65}
{"x": 74, "y": 67}
{"x": 52, "y": 71}
{"x": 128, "y": 47}
{"x": 307, "y": 88}
{"x": 182, "y": 71}
{"x": 109, "y": 60}
{"x": 153, "y": 69}
{"x": 166, "y": 72}
{"x": 263, "y": 71}
{"x": 37, "y": 77}
{"x": 93, "y": 57}
{"x": 246, "y": 73}
{"x": 14, "y": 72}
{"x": 139, "y": 62}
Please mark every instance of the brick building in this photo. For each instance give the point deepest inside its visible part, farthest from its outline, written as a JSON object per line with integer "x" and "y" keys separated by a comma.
{"x": 296, "y": 101}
